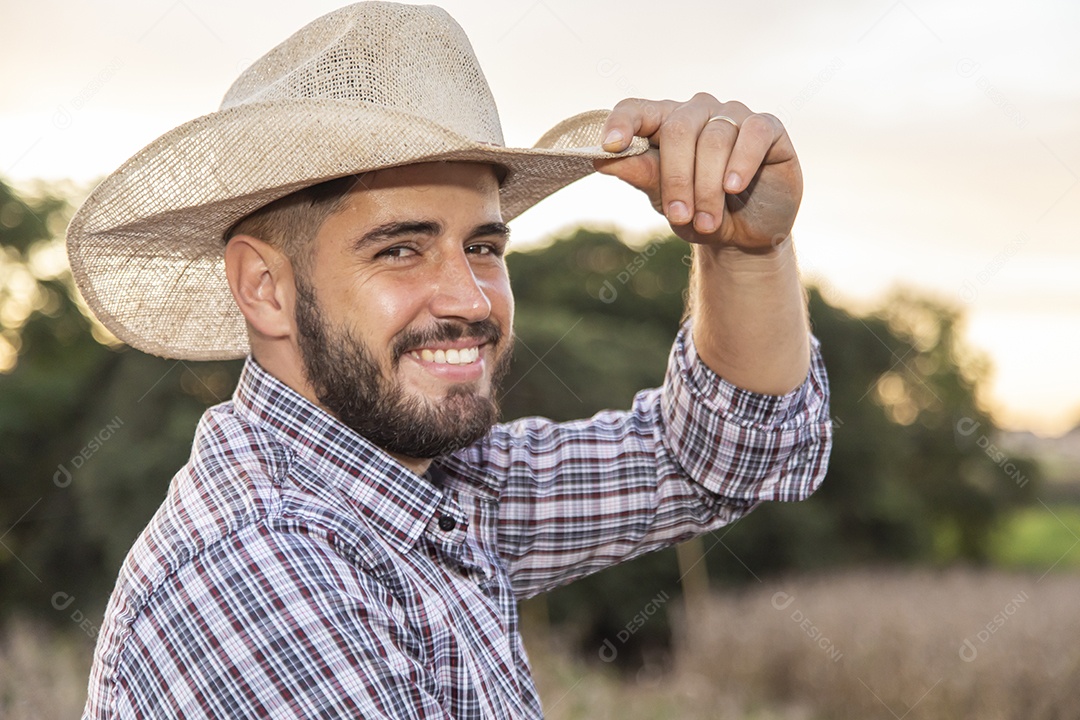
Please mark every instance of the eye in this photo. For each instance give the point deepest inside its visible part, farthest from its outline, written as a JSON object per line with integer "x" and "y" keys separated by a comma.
{"x": 486, "y": 248}
{"x": 397, "y": 252}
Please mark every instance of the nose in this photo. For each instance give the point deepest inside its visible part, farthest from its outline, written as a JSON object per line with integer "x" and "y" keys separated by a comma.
{"x": 458, "y": 294}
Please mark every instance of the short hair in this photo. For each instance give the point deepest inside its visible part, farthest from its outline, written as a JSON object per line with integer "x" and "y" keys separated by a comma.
{"x": 292, "y": 222}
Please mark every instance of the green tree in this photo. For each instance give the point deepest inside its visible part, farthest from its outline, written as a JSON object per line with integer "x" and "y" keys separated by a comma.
{"x": 908, "y": 480}
{"x": 904, "y": 483}
{"x": 90, "y": 431}
{"x": 40, "y": 403}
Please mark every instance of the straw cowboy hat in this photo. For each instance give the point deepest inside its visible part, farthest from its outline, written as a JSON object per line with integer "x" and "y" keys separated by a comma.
{"x": 372, "y": 85}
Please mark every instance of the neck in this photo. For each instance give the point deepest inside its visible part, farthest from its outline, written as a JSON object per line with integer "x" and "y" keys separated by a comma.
{"x": 417, "y": 465}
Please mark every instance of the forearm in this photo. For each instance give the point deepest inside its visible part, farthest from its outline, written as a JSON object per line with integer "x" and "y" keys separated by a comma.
{"x": 749, "y": 317}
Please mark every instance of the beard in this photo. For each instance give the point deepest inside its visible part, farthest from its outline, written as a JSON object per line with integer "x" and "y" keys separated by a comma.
{"x": 349, "y": 383}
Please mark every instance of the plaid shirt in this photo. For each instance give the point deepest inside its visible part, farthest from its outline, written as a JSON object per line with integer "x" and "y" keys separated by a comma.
{"x": 297, "y": 571}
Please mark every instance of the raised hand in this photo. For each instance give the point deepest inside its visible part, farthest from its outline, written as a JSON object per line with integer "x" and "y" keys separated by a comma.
{"x": 720, "y": 173}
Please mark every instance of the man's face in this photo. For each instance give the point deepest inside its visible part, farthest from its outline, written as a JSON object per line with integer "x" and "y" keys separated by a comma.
{"x": 405, "y": 314}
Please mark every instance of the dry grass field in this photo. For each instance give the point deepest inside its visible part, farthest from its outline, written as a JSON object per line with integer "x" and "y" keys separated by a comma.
{"x": 955, "y": 644}
{"x": 886, "y": 644}
{"x": 42, "y": 673}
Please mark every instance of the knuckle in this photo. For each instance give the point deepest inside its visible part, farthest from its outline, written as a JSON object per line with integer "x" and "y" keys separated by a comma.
{"x": 717, "y": 137}
{"x": 647, "y": 112}
{"x": 677, "y": 125}
{"x": 651, "y": 175}
{"x": 771, "y": 119}
{"x": 735, "y": 105}
{"x": 676, "y": 181}
{"x": 758, "y": 127}
{"x": 709, "y": 200}
{"x": 654, "y": 112}
{"x": 764, "y": 122}
{"x": 625, "y": 109}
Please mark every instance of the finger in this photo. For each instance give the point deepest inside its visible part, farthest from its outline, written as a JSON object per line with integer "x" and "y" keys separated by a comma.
{"x": 678, "y": 138}
{"x": 633, "y": 116}
{"x": 758, "y": 134}
{"x": 641, "y": 171}
{"x": 714, "y": 146}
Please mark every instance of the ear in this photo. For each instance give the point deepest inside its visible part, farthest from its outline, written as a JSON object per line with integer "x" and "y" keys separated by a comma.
{"x": 262, "y": 283}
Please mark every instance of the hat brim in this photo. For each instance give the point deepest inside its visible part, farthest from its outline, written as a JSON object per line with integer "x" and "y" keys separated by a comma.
{"x": 147, "y": 246}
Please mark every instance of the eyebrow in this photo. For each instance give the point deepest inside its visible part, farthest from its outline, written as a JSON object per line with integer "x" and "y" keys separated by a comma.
{"x": 495, "y": 228}
{"x": 392, "y": 230}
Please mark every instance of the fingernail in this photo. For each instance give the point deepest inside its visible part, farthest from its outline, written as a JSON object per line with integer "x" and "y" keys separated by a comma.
{"x": 704, "y": 222}
{"x": 733, "y": 181}
{"x": 614, "y": 138}
{"x": 678, "y": 212}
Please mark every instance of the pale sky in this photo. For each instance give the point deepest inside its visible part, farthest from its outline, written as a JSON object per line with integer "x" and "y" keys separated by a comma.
{"x": 938, "y": 139}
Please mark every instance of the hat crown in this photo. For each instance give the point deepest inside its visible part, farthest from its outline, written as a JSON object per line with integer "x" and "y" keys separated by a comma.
{"x": 411, "y": 58}
{"x": 370, "y": 86}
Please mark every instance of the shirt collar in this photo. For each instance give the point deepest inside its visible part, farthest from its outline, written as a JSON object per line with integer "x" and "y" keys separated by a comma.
{"x": 390, "y": 498}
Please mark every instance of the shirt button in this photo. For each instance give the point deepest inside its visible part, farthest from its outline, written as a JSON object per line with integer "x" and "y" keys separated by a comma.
{"x": 447, "y": 523}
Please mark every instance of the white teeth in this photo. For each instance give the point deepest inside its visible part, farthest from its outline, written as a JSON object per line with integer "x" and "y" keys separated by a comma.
{"x": 453, "y": 356}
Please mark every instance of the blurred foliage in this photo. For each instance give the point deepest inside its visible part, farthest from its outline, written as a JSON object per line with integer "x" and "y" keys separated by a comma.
{"x": 91, "y": 432}
{"x": 904, "y": 483}
{"x": 1038, "y": 537}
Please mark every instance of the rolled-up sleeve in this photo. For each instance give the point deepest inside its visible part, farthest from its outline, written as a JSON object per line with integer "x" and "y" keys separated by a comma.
{"x": 745, "y": 446}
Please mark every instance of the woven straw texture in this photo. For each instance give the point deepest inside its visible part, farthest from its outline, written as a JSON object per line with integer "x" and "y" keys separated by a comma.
{"x": 369, "y": 86}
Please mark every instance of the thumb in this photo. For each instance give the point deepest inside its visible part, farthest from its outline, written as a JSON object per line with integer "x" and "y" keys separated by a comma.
{"x": 641, "y": 171}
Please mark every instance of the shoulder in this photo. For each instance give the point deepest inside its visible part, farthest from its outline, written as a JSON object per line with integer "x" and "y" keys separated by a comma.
{"x": 230, "y": 483}
{"x": 274, "y": 604}
{"x": 246, "y": 549}
{"x": 232, "y": 480}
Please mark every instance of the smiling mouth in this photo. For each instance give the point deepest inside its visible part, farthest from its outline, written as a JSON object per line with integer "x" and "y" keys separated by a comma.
{"x": 452, "y": 356}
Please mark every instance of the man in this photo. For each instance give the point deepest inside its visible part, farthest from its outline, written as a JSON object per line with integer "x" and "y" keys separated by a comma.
{"x": 352, "y": 532}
